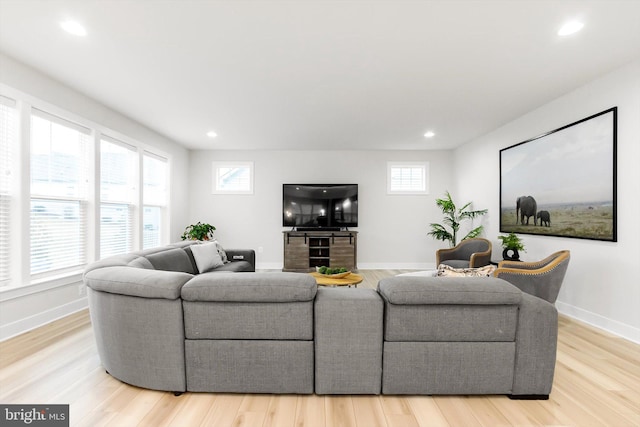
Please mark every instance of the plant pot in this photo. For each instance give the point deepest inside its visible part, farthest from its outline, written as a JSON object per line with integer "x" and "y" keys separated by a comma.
{"x": 511, "y": 255}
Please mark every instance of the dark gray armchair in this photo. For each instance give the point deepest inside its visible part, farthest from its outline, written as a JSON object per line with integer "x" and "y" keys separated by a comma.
{"x": 542, "y": 278}
{"x": 472, "y": 253}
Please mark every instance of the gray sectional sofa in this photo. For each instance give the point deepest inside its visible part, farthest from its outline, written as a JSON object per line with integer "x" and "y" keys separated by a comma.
{"x": 160, "y": 325}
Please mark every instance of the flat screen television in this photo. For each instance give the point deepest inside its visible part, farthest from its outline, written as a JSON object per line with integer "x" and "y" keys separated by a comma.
{"x": 317, "y": 206}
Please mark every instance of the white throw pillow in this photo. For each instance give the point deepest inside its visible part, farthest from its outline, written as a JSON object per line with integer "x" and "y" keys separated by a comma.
{"x": 206, "y": 256}
{"x": 221, "y": 251}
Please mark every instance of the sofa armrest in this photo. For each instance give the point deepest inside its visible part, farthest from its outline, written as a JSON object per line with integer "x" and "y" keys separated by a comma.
{"x": 248, "y": 255}
{"x": 480, "y": 259}
{"x": 536, "y": 344}
{"x": 445, "y": 254}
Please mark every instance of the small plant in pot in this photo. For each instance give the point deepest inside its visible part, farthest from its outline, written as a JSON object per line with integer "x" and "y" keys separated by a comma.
{"x": 511, "y": 245}
{"x": 199, "y": 231}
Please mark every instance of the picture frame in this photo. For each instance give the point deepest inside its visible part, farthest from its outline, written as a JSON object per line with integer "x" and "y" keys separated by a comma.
{"x": 563, "y": 183}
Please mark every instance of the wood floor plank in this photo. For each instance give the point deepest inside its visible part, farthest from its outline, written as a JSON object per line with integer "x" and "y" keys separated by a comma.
{"x": 195, "y": 409}
{"x": 368, "y": 412}
{"x": 457, "y": 411}
{"x": 485, "y": 412}
{"x": 281, "y": 411}
{"x": 597, "y": 383}
{"x": 164, "y": 412}
{"x": 310, "y": 411}
{"x": 339, "y": 411}
{"x": 224, "y": 410}
{"x": 134, "y": 411}
{"x": 426, "y": 412}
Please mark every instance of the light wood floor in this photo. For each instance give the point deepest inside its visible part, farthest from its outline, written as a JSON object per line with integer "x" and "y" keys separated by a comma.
{"x": 597, "y": 383}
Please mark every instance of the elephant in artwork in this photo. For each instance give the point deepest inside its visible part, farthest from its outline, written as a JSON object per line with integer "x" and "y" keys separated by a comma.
{"x": 545, "y": 218}
{"x": 526, "y": 206}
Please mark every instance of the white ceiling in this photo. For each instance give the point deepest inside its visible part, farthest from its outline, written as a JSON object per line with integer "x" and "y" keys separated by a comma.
{"x": 331, "y": 75}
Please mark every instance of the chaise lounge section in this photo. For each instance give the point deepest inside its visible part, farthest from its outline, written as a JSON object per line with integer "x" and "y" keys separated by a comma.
{"x": 472, "y": 335}
{"x": 276, "y": 332}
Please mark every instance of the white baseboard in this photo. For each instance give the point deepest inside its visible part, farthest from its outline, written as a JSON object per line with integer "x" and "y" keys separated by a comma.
{"x": 268, "y": 266}
{"x": 397, "y": 266}
{"x": 21, "y": 326}
{"x": 614, "y": 327}
{"x": 363, "y": 266}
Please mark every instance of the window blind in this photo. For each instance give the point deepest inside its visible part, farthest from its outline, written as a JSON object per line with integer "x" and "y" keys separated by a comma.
{"x": 118, "y": 168}
{"x": 155, "y": 198}
{"x": 59, "y": 187}
{"x": 8, "y": 125}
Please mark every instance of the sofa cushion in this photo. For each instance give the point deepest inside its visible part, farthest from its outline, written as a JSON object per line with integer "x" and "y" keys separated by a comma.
{"x": 454, "y": 290}
{"x": 251, "y": 366}
{"x": 448, "y": 368}
{"x": 171, "y": 260}
{"x": 251, "y": 287}
{"x": 236, "y": 266}
{"x": 455, "y": 323}
{"x": 248, "y": 320}
{"x": 137, "y": 282}
{"x": 141, "y": 262}
{"x": 206, "y": 256}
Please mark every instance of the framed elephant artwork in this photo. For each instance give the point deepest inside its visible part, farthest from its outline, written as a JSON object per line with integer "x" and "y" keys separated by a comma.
{"x": 563, "y": 183}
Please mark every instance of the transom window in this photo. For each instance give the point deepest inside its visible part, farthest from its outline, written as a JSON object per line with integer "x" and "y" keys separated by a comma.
{"x": 407, "y": 178}
{"x": 232, "y": 178}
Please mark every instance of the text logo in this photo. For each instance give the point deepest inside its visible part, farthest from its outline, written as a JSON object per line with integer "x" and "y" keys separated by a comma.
{"x": 34, "y": 415}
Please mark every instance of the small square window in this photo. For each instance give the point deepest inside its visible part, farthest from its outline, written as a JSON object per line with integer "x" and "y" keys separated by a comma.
{"x": 232, "y": 178}
{"x": 407, "y": 178}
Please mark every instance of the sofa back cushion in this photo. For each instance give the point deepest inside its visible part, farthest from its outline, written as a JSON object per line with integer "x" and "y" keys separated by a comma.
{"x": 171, "y": 260}
{"x": 456, "y": 309}
{"x": 251, "y": 287}
{"x": 137, "y": 282}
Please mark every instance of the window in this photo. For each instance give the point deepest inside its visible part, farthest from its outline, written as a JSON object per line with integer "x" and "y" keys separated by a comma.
{"x": 407, "y": 178}
{"x": 118, "y": 166}
{"x": 8, "y": 120}
{"x": 155, "y": 198}
{"x": 68, "y": 198}
{"x": 232, "y": 178}
{"x": 59, "y": 187}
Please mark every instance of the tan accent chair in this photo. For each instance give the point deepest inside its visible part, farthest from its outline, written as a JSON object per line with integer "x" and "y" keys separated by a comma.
{"x": 469, "y": 253}
{"x": 541, "y": 279}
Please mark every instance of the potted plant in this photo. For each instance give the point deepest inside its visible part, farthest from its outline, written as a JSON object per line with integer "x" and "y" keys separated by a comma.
{"x": 511, "y": 245}
{"x": 199, "y": 231}
{"x": 453, "y": 217}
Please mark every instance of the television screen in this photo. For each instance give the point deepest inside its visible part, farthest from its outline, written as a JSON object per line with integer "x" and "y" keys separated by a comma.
{"x": 320, "y": 205}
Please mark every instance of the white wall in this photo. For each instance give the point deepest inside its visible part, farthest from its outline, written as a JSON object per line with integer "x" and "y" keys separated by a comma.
{"x": 392, "y": 229}
{"x": 20, "y": 311}
{"x": 602, "y": 285}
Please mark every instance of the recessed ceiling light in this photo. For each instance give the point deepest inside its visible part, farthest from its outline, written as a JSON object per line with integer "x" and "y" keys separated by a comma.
{"x": 211, "y": 134}
{"x": 570, "y": 28}
{"x": 429, "y": 134}
{"x": 73, "y": 27}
